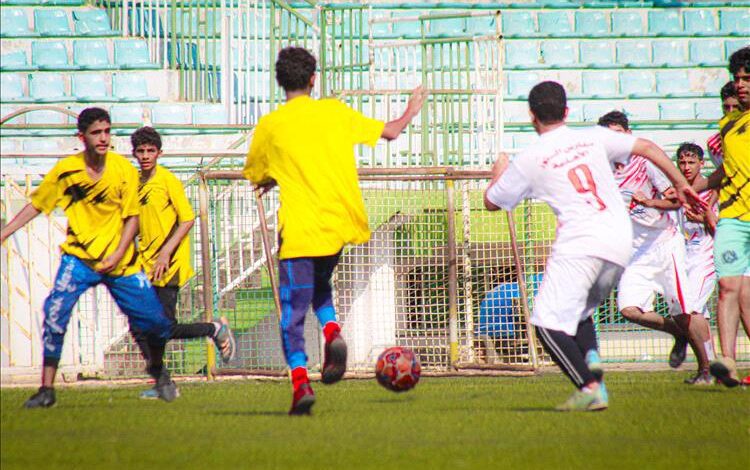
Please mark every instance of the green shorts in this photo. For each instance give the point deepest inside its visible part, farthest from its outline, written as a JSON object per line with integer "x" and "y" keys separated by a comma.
{"x": 732, "y": 248}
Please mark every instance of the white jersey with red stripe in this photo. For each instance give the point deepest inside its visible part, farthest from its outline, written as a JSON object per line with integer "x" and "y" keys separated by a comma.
{"x": 649, "y": 225}
{"x": 699, "y": 247}
{"x": 697, "y": 239}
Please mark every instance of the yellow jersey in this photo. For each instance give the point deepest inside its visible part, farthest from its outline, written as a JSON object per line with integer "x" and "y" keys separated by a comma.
{"x": 163, "y": 207}
{"x": 734, "y": 194}
{"x": 307, "y": 147}
{"x": 95, "y": 209}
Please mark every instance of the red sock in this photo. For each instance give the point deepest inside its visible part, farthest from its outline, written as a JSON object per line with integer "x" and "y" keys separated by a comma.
{"x": 299, "y": 377}
{"x": 329, "y": 329}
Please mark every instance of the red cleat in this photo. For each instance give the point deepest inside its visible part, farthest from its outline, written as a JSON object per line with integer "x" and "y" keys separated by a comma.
{"x": 746, "y": 381}
{"x": 334, "y": 363}
{"x": 302, "y": 400}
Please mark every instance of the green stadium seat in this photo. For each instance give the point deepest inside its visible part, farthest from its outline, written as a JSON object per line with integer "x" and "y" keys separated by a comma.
{"x": 522, "y": 54}
{"x": 593, "y": 111}
{"x": 182, "y": 23}
{"x": 481, "y": 25}
{"x": 126, "y": 113}
{"x": 129, "y": 87}
{"x": 735, "y": 22}
{"x": 47, "y": 88}
{"x": 91, "y": 88}
{"x": 627, "y": 23}
{"x": 637, "y": 84}
{"x": 91, "y": 55}
{"x": 559, "y": 53}
{"x": 52, "y": 22}
{"x": 184, "y": 54}
{"x": 669, "y": 53}
{"x": 664, "y": 22}
{"x": 633, "y": 53}
{"x": 210, "y": 114}
{"x": 133, "y": 54}
{"x": 673, "y": 84}
{"x": 700, "y": 22}
{"x": 712, "y": 83}
{"x": 707, "y": 52}
{"x": 735, "y": 45}
{"x": 11, "y": 87}
{"x": 92, "y": 23}
{"x": 170, "y": 114}
{"x": 50, "y": 55}
{"x": 147, "y": 23}
{"x": 709, "y": 110}
{"x": 518, "y": 24}
{"x": 212, "y": 25}
{"x": 599, "y": 84}
{"x": 520, "y": 83}
{"x": 43, "y": 118}
{"x": 15, "y": 23}
{"x": 640, "y": 111}
{"x": 591, "y": 23}
{"x": 15, "y": 61}
{"x": 675, "y": 110}
{"x": 595, "y": 54}
{"x": 575, "y": 113}
{"x": 447, "y": 27}
{"x": 555, "y": 24}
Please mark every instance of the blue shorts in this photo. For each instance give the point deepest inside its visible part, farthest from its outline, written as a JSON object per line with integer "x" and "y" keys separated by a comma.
{"x": 732, "y": 248}
{"x": 133, "y": 294}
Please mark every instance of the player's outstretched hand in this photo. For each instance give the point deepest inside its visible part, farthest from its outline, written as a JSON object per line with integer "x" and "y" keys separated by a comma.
{"x": 689, "y": 198}
{"x": 416, "y": 100}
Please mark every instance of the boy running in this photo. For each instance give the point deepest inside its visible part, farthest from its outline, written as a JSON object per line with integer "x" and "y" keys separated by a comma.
{"x": 659, "y": 260}
{"x": 166, "y": 218}
{"x": 570, "y": 169}
{"x": 98, "y": 191}
{"x": 306, "y": 147}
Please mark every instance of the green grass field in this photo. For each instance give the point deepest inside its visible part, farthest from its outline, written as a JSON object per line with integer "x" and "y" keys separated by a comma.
{"x": 654, "y": 422}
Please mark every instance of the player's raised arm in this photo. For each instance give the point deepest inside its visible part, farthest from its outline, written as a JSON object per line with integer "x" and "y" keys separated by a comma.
{"x": 684, "y": 192}
{"x": 394, "y": 128}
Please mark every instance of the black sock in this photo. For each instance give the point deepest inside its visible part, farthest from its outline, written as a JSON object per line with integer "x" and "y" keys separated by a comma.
{"x": 586, "y": 336}
{"x": 566, "y": 354}
{"x": 156, "y": 348}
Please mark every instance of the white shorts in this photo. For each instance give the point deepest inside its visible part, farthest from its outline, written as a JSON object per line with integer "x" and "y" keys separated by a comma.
{"x": 661, "y": 268}
{"x": 701, "y": 274}
{"x": 572, "y": 288}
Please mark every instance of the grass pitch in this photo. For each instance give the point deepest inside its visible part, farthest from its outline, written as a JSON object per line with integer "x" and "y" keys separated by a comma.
{"x": 654, "y": 421}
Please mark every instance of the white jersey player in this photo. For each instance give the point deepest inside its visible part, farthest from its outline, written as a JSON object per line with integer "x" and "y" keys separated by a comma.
{"x": 659, "y": 263}
{"x": 571, "y": 170}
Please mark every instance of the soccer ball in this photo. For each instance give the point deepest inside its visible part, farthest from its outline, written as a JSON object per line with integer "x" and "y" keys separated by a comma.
{"x": 398, "y": 369}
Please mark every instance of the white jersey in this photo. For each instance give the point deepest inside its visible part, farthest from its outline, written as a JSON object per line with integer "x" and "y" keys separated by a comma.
{"x": 649, "y": 224}
{"x": 571, "y": 170}
{"x": 697, "y": 239}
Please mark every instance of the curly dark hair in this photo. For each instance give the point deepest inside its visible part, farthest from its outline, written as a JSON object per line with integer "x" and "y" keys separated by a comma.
{"x": 614, "y": 118}
{"x": 728, "y": 91}
{"x": 294, "y": 67}
{"x": 547, "y": 101}
{"x": 692, "y": 148}
{"x": 740, "y": 59}
{"x": 145, "y": 135}
{"x": 89, "y": 116}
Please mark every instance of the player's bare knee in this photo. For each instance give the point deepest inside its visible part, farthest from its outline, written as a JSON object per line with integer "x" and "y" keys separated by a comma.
{"x": 729, "y": 287}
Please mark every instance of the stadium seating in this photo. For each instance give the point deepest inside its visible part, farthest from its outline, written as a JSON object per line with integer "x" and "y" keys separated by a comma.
{"x": 50, "y": 55}
{"x": 11, "y": 87}
{"x": 707, "y": 52}
{"x": 41, "y": 119}
{"x": 522, "y": 54}
{"x": 633, "y": 53}
{"x": 708, "y": 110}
{"x": 596, "y": 54}
{"x": 126, "y": 113}
{"x": 170, "y": 114}
{"x": 448, "y": 27}
{"x": 555, "y": 23}
{"x": 482, "y": 25}
{"x": 627, "y": 23}
{"x": 673, "y": 83}
{"x": 637, "y": 84}
{"x": 209, "y": 114}
{"x": 735, "y": 22}
{"x": 91, "y": 55}
{"x": 680, "y": 111}
{"x": 669, "y": 53}
{"x": 664, "y": 22}
{"x": 599, "y": 84}
{"x": 47, "y": 88}
{"x": 700, "y": 23}
{"x": 519, "y": 84}
{"x": 130, "y": 87}
{"x": 591, "y": 23}
{"x": 15, "y": 61}
{"x": 559, "y": 53}
{"x": 52, "y": 22}
{"x": 92, "y": 23}
{"x": 91, "y": 88}
{"x": 15, "y": 23}
{"x": 133, "y": 54}
{"x": 518, "y": 24}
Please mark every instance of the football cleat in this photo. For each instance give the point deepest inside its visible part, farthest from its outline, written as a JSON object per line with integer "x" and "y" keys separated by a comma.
{"x": 678, "y": 353}
{"x": 224, "y": 340}
{"x": 582, "y": 401}
{"x": 302, "y": 400}
{"x": 166, "y": 388}
{"x": 44, "y": 398}
{"x": 334, "y": 363}
{"x": 725, "y": 371}
{"x": 701, "y": 378}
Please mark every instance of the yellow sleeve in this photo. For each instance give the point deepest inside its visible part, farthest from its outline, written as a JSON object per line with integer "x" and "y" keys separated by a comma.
{"x": 256, "y": 164}
{"x": 180, "y": 201}
{"x": 47, "y": 194}
{"x": 130, "y": 206}
{"x": 364, "y": 130}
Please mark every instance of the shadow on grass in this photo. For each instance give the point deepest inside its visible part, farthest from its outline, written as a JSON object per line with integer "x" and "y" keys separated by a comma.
{"x": 394, "y": 399}
{"x": 536, "y": 409}
{"x": 250, "y": 413}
